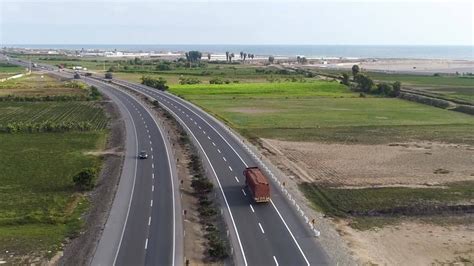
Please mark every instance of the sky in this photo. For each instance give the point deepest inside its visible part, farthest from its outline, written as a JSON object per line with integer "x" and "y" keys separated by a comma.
{"x": 416, "y": 22}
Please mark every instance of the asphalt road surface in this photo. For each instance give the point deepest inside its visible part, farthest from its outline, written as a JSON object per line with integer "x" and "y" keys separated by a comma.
{"x": 262, "y": 234}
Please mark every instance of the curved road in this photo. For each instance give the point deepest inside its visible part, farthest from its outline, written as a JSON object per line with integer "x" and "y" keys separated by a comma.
{"x": 262, "y": 234}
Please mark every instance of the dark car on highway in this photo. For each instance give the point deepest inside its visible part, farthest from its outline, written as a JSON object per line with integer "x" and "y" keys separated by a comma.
{"x": 143, "y": 155}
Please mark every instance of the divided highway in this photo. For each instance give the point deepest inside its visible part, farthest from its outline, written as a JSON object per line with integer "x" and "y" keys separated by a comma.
{"x": 262, "y": 234}
{"x": 151, "y": 232}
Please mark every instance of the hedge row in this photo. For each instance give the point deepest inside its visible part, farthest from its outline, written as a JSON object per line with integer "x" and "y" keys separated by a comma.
{"x": 46, "y": 126}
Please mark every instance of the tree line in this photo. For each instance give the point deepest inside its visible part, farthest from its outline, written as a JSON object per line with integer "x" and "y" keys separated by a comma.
{"x": 364, "y": 84}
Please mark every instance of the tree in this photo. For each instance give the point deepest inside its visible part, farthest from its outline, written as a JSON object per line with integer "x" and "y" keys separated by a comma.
{"x": 193, "y": 56}
{"x": 245, "y": 56}
{"x": 241, "y": 54}
{"x": 159, "y": 83}
{"x": 209, "y": 57}
{"x": 397, "y": 86}
{"x": 355, "y": 70}
{"x": 137, "y": 61}
{"x": 227, "y": 56}
{"x": 364, "y": 83}
{"x": 108, "y": 75}
{"x": 231, "y": 56}
{"x": 271, "y": 59}
{"x": 345, "y": 79}
{"x": 85, "y": 179}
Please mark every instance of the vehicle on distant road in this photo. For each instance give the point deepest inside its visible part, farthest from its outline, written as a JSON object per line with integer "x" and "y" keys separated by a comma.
{"x": 77, "y": 76}
{"x": 257, "y": 183}
{"x": 143, "y": 155}
{"x": 108, "y": 75}
{"x": 88, "y": 74}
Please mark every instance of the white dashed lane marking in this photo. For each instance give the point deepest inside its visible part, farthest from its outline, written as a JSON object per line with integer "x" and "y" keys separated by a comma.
{"x": 261, "y": 228}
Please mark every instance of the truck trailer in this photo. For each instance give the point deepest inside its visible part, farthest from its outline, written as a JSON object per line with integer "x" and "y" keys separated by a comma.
{"x": 257, "y": 183}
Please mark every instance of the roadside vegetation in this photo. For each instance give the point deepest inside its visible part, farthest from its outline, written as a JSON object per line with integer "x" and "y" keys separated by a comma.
{"x": 269, "y": 100}
{"x": 47, "y": 128}
{"x": 365, "y": 205}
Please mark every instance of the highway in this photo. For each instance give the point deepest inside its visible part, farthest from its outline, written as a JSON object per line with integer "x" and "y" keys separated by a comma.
{"x": 261, "y": 234}
{"x": 144, "y": 226}
{"x": 152, "y": 231}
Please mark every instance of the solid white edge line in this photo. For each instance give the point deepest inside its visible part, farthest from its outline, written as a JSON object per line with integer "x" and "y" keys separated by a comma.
{"x": 292, "y": 236}
{"x": 172, "y": 179}
{"x": 218, "y": 182}
{"x": 246, "y": 165}
{"x": 133, "y": 188}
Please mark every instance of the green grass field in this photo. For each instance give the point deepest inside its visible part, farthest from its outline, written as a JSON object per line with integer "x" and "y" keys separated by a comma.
{"x": 325, "y": 111}
{"x": 370, "y": 207}
{"x": 37, "y": 201}
{"x": 37, "y": 112}
{"x": 449, "y": 87}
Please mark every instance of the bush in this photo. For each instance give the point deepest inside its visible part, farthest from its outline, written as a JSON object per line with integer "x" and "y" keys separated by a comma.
{"x": 345, "y": 79}
{"x": 217, "y": 249}
{"x": 94, "y": 93}
{"x": 108, "y": 75}
{"x": 216, "y": 81}
{"x": 159, "y": 83}
{"x": 183, "y": 81}
{"x": 85, "y": 179}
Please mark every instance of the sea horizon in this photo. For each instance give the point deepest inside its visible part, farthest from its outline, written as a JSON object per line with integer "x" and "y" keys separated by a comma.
{"x": 449, "y": 52}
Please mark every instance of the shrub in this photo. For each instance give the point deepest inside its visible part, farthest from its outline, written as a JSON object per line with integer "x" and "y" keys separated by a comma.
{"x": 159, "y": 83}
{"x": 216, "y": 81}
{"x": 183, "y": 81}
{"x": 85, "y": 179}
{"x": 94, "y": 93}
{"x": 108, "y": 75}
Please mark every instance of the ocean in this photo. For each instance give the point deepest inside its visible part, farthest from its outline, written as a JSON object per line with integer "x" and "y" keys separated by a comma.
{"x": 309, "y": 51}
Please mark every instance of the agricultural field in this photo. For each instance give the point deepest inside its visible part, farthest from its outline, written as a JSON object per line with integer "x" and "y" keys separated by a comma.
{"x": 55, "y": 112}
{"x": 446, "y": 86}
{"x": 37, "y": 85}
{"x": 38, "y": 203}
{"x": 7, "y": 70}
{"x": 325, "y": 111}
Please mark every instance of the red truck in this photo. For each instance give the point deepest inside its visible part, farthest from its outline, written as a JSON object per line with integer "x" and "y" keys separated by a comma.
{"x": 258, "y": 184}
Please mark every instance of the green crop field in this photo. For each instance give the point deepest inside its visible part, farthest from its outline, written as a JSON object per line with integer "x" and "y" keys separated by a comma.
{"x": 37, "y": 201}
{"x": 325, "y": 111}
{"x": 37, "y": 112}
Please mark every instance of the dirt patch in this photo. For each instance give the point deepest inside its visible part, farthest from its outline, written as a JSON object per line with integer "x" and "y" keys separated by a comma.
{"x": 251, "y": 110}
{"x": 408, "y": 241}
{"x": 413, "y": 243}
{"x": 396, "y": 164}
{"x": 80, "y": 250}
